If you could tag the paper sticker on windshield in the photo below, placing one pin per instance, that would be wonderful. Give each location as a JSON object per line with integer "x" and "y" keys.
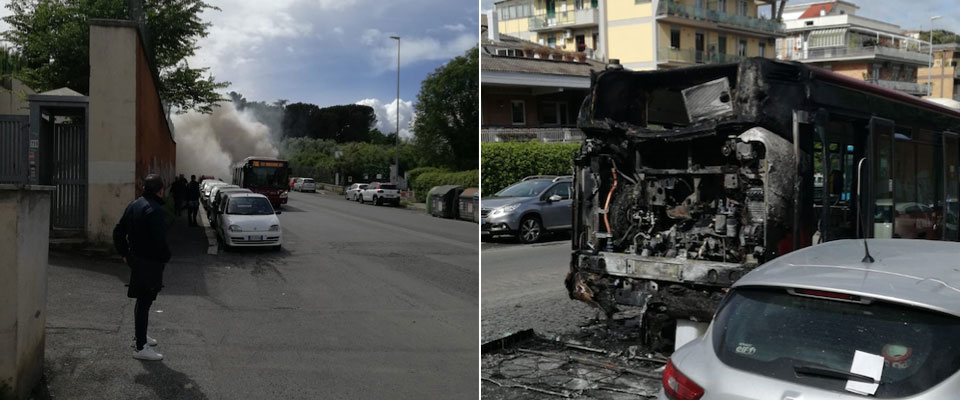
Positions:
{"x": 896, "y": 356}
{"x": 746, "y": 349}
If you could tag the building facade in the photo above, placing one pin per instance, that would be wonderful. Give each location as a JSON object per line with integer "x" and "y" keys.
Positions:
{"x": 944, "y": 77}
{"x": 830, "y": 35}
{"x": 646, "y": 34}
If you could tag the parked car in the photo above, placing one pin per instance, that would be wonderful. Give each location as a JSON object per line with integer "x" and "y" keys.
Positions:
{"x": 528, "y": 209}
{"x": 353, "y": 192}
{"x": 217, "y": 201}
{"x": 207, "y": 188}
{"x": 379, "y": 193}
{"x": 248, "y": 219}
{"x": 791, "y": 327}
{"x": 305, "y": 185}
{"x": 215, "y": 190}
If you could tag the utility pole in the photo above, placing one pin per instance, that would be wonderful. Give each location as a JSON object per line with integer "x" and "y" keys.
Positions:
{"x": 396, "y": 159}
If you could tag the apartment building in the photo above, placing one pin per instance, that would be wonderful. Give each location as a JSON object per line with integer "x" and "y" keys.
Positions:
{"x": 647, "y": 34}
{"x": 944, "y": 77}
{"x": 831, "y": 35}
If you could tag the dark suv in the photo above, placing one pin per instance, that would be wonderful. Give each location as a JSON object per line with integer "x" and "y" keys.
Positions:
{"x": 528, "y": 208}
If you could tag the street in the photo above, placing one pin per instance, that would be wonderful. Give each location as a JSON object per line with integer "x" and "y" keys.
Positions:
{"x": 362, "y": 302}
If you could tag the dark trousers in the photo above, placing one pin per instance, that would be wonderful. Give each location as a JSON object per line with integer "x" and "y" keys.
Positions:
{"x": 141, "y": 314}
{"x": 177, "y": 205}
{"x": 192, "y": 215}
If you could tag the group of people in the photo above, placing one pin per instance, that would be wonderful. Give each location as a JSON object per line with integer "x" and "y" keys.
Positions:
{"x": 186, "y": 195}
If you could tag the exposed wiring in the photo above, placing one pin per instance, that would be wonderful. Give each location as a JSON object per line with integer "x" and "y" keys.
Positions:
{"x": 606, "y": 207}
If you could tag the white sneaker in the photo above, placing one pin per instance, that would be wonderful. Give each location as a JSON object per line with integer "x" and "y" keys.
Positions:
{"x": 151, "y": 341}
{"x": 148, "y": 354}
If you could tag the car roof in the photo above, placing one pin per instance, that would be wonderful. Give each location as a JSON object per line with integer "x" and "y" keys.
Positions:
{"x": 245, "y": 194}
{"x": 565, "y": 178}
{"x": 921, "y": 273}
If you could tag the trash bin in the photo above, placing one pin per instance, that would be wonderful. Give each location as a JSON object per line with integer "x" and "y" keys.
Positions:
{"x": 468, "y": 204}
{"x": 444, "y": 201}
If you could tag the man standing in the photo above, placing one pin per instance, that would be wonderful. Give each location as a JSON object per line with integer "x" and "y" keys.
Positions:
{"x": 193, "y": 200}
{"x": 141, "y": 239}
{"x": 177, "y": 189}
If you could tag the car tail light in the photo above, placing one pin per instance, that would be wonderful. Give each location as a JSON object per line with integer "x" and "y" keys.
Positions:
{"x": 677, "y": 386}
{"x": 823, "y": 294}
{"x": 380, "y": 191}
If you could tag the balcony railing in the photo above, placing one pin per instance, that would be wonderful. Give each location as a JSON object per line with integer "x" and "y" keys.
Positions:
{"x": 672, "y": 8}
{"x": 828, "y": 53}
{"x": 691, "y": 56}
{"x": 906, "y": 87}
{"x": 564, "y": 19}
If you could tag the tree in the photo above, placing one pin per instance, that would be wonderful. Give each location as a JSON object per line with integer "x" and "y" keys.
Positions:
{"x": 940, "y": 36}
{"x": 53, "y": 38}
{"x": 447, "y": 115}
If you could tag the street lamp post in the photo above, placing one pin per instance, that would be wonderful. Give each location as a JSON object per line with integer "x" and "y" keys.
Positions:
{"x": 930, "y": 63}
{"x": 396, "y": 159}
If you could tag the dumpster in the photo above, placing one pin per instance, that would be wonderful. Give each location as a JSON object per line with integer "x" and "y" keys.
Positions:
{"x": 428, "y": 201}
{"x": 468, "y": 204}
{"x": 444, "y": 201}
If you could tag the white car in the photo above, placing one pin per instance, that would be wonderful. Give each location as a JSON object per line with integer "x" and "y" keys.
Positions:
{"x": 305, "y": 185}
{"x": 248, "y": 219}
{"x": 206, "y": 187}
{"x": 214, "y": 190}
{"x": 379, "y": 193}
{"x": 353, "y": 192}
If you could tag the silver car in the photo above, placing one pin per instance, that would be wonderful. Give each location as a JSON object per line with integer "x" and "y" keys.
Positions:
{"x": 528, "y": 208}
{"x": 353, "y": 192}
{"x": 790, "y": 329}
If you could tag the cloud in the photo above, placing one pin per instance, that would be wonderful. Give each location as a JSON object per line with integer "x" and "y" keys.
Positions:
{"x": 387, "y": 114}
{"x": 338, "y": 30}
{"x": 383, "y": 55}
{"x": 456, "y": 28}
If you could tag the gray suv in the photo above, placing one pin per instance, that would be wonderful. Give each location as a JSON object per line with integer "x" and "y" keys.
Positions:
{"x": 528, "y": 208}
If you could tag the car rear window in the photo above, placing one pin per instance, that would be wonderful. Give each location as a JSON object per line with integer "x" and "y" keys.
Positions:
{"x": 308, "y": 180}
{"x": 769, "y": 332}
{"x": 385, "y": 186}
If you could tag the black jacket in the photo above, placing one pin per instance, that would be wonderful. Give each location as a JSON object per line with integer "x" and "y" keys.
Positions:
{"x": 141, "y": 237}
{"x": 193, "y": 191}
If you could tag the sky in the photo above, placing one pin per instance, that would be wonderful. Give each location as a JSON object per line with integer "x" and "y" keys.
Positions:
{"x": 916, "y": 15}
{"x": 330, "y": 52}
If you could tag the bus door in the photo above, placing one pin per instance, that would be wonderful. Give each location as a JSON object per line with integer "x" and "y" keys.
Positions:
{"x": 875, "y": 182}
{"x": 839, "y": 144}
{"x": 951, "y": 185}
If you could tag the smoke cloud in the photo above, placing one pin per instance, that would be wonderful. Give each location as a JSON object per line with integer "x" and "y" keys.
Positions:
{"x": 210, "y": 143}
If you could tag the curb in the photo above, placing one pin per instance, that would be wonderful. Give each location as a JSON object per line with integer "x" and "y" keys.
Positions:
{"x": 208, "y": 230}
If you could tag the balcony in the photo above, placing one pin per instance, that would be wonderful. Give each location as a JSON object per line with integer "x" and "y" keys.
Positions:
{"x": 912, "y": 88}
{"x": 564, "y": 19}
{"x": 670, "y": 55}
{"x": 674, "y": 9}
{"x": 839, "y": 53}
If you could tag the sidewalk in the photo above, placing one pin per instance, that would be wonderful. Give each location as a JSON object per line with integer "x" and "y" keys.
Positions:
{"x": 90, "y": 326}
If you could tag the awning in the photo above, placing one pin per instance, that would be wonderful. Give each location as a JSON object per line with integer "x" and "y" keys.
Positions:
{"x": 834, "y": 37}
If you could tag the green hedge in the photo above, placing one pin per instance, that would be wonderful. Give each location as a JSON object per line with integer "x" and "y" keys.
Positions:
{"x": 414, "y": 173}
{"x": 505, "y": 163}
{"x": 426, "y": 181}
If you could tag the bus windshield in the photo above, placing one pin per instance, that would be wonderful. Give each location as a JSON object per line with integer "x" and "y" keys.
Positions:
{"x": 268, "y": 177}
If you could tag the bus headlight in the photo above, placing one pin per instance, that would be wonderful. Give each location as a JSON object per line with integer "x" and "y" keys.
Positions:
{"x": 284, "y": 194}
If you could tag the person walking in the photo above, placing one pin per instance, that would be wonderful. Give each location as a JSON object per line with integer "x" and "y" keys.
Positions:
{"x": 192, "y": 196}
{"x": 178, "y": 189}
{"x": 141, "y": 239}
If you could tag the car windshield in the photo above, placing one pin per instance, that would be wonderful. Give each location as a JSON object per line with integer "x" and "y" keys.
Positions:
{"x": 390, "y": 187}
{"x": 267, "y": 177}
{"x": 524, "y": 189}
{"x": 770, "y": 332}
{"x": 249, "y": 206}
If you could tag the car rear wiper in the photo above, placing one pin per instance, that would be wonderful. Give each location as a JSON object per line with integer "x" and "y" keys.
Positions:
{"x": 820, "y": 370}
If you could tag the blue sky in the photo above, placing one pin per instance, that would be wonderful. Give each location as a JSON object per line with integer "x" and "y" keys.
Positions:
{"x": 330, "y": 52}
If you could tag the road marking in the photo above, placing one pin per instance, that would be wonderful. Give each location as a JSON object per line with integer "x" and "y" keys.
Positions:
{"x": 211, "y": 235}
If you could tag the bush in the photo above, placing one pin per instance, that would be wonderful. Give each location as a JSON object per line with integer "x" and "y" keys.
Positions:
{"x": 414, "y": 173}
{"x": 505, "y": 163}
{"x": 426, "y": 181}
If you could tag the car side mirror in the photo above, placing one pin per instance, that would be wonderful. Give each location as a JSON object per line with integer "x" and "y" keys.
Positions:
{"x": 554, "y": 198}
{"x": 278, "y": 212}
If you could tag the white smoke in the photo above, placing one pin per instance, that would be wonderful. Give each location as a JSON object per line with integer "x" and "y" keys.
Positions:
{"x": 208, "y": 144}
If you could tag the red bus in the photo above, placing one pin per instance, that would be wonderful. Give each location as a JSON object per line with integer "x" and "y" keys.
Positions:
{"x": 264, "y": 175}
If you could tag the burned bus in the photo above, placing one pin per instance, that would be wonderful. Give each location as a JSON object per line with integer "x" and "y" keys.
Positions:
{"x": 689, "y": 178}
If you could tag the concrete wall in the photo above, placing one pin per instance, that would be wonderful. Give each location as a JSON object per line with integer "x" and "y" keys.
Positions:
{"x": 13, "y": 97}
{"x": 24, "y": 243}
{"x": 112, "y": 127}
{"x": 156, "y": 150}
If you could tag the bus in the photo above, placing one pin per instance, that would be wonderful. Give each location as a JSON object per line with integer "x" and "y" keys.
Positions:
{"x": 689, "y": 178}
{"x": 264, "y": 175}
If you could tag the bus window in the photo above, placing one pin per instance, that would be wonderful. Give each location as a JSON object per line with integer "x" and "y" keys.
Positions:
{"x": 834, "y": 180}
{"x": 950, "y": 170}
{"x": 918, "y": 188}
{"x": 882, "y": 147}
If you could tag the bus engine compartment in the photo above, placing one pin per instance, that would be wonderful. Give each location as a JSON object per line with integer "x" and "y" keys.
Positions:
{"x": 681, "y": 187}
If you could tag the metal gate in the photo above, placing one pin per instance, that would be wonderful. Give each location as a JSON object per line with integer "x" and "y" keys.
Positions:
{"x": 13, "y": 148}
{"x": 69, "y": 175}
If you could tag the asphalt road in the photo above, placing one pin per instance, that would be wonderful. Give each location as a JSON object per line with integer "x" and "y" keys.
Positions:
{"x": 362, "y": 302}
{"x": 522, "y": 288}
